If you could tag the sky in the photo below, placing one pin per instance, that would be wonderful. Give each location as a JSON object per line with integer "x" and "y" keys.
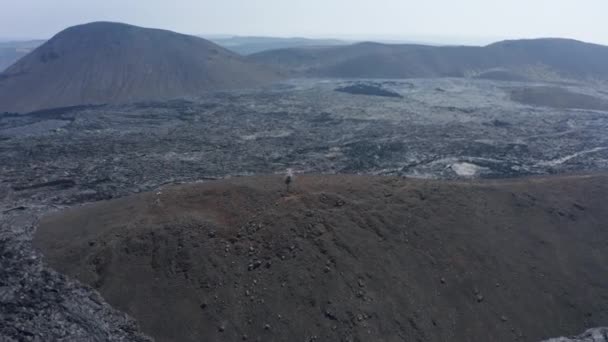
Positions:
{"x": 439, "y": 21}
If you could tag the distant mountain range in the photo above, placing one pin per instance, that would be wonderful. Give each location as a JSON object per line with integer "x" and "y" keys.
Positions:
{"x": 250, "y": 45}
{"x": 538, "y": 59}
{"x": 103, "y": 62}
{"x": 12, "y": 51}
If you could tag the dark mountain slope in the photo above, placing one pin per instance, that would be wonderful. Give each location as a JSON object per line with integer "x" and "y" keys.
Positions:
{"x": 114, "y": 63}
{"x": 347, "y": 258}
{"x": 531, "y": 58}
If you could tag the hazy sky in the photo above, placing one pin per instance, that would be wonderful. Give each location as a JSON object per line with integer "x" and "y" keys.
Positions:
{"x": 465, "y": 20}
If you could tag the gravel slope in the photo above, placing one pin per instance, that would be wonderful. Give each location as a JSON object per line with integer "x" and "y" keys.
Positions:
{"x": 346, "y": 258}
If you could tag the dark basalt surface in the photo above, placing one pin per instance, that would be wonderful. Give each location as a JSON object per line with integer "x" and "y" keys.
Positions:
{"x": 368, "y": 89}
{"x": 442, "y": 128}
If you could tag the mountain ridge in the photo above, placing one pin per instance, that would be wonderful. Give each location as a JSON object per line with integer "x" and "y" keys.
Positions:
{"x": 529, "y": 58}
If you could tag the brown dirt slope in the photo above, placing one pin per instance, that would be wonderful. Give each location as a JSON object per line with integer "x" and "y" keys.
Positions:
{"x": 347, "y": 258}
{"x": 104, "y": 62}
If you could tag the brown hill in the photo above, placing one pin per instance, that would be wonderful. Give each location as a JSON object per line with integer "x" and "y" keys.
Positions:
{"x": 347, "y": 258}
{"x": 518, "y": 59}
{"x": 104, "y": 62}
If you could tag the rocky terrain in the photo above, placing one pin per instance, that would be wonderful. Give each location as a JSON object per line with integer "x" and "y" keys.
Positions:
{"x": 100, "y": 63}
{"x": 39, "y": 304}
{"x": 346, "y": 258}
{"x": 447, "y": 128}
{"x": 591, "y": 335}
{"x": 440, "y": 129}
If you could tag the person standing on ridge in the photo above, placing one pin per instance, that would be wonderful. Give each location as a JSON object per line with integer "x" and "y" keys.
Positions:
{"x": 288, "y": 178}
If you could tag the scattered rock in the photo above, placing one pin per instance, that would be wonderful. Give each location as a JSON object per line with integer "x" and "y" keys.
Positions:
{"x": 591, "y": 335}
{"x": 330, "y": 315}
{"x": 39, "y": 304}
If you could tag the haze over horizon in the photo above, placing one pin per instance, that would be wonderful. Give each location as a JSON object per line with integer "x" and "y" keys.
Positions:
{"x": 437, "y": 21}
